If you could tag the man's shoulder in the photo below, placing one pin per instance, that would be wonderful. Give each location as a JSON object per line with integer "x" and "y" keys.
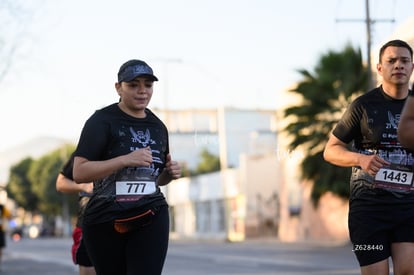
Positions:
{"x": 368, "y": 96}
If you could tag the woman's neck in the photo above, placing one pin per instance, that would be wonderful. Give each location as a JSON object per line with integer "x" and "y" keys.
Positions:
{"x": 138, "y": 113}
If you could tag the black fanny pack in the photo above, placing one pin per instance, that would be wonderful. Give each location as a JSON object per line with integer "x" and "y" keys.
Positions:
{"x": 135, "y": 222}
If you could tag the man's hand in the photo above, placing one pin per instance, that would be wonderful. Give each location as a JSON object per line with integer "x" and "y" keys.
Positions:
{"x": 372, "y": 163}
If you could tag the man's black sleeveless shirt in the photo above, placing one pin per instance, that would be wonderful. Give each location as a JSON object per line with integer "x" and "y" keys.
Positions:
{"x": 371, "y": 123}
{"x": 109, "y": 133}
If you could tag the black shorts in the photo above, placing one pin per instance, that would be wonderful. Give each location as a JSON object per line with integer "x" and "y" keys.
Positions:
{"x": 79, "y": 254}
{"x": 374, "y": 228}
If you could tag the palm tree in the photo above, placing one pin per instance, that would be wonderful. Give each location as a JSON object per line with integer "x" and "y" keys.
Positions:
{"x": 338, "y": 78}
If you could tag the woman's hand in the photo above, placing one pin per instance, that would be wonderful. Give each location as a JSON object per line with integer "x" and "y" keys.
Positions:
{"x": 173, "y": 168}
{"x": 139, "y": 158}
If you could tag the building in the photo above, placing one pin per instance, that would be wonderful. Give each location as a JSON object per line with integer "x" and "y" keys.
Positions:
{"x": 243, "y": 199}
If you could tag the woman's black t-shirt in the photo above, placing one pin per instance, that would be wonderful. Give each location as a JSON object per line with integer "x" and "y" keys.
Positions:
{"x": 110, "y": 133}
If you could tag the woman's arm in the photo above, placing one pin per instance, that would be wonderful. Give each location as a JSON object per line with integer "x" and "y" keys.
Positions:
{"x": 85, "y": 170}
{"x": 171, "y": 171}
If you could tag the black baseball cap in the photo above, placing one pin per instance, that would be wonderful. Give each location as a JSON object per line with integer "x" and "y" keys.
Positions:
{"x": 134, "y": 68}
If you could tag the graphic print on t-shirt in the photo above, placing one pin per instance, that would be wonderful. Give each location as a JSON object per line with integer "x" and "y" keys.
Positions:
{"x": 388, "y": 146}
{"x": 143, "y": 138}
{"x": 393, "y": 120}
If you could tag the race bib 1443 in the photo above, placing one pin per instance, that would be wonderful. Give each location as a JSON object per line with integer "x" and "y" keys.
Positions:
{"x": 398, "y": 177}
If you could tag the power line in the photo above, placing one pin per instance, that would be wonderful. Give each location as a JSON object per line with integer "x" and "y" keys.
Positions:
{"x": 368, "y": 23}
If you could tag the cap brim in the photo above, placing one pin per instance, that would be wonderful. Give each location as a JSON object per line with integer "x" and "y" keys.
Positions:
{"x": 149, "y": 76}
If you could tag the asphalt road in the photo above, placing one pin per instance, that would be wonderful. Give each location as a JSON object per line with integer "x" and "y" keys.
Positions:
{"x": 259, "y": 257}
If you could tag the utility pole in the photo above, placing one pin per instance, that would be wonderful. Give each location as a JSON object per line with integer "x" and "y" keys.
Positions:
{"x": 368, "y": 22}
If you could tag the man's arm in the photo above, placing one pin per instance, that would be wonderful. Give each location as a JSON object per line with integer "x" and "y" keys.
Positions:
{"x": 66, "y": 185}
{"x": 337, "y": 153}
{"x": 406, "y": 125}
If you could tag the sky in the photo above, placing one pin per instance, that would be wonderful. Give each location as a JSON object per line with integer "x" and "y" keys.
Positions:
{"x": 206, "y": 53}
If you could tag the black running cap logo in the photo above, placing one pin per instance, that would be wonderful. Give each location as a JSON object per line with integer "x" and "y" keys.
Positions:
{"x": 132, "y": 72}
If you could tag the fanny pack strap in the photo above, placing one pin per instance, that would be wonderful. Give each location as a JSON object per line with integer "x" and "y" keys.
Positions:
{"x": 127, "y": 224}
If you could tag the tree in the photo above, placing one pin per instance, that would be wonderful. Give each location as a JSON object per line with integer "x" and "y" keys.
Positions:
{"x": 19, "y": 187}
{"x": 338, "y": 78}
{"x": 32, "y": 184}
{"x": 43, "y": 174}
{"x": 209, "y": 163}
{"x": 16, "y": 18}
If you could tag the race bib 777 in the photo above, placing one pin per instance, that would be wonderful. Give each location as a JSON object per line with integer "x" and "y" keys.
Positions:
{"x": 133, "y": 190}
